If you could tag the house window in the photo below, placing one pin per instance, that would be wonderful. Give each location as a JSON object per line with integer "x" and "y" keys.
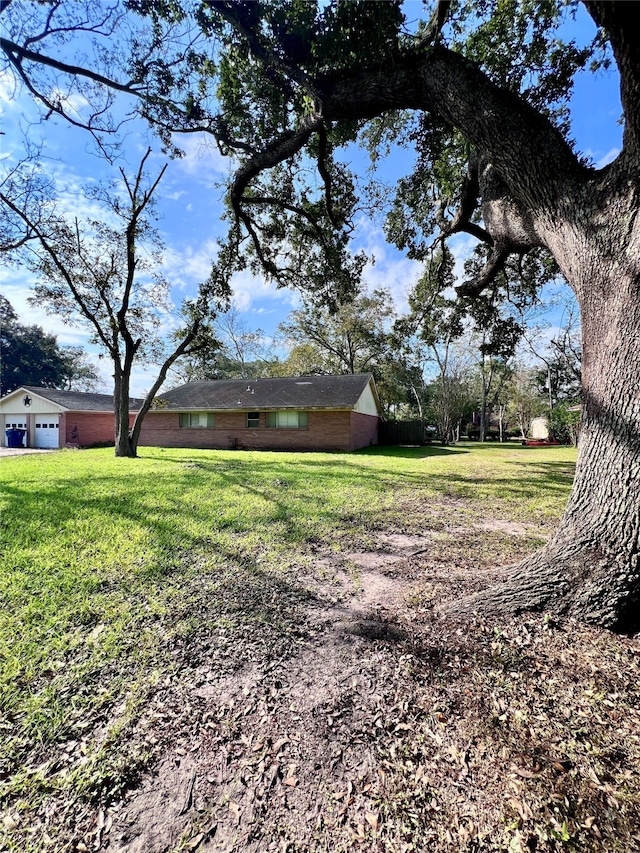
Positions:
{"x": 288, "y": 420}
{"x": 253, "y": 420}
{"x": 197, "y": 420}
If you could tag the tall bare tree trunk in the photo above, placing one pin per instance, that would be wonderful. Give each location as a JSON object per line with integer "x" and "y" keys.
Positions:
{"x": 123, "y": 445}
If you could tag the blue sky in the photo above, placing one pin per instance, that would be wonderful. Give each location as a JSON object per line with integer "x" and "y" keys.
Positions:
{"x": 190, "y": 206}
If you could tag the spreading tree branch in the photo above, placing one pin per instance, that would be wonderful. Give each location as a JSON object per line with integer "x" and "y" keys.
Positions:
{"x": 494, "y": 264}
{"x": 325, "y": 174}
{"x": 469, "y": 201}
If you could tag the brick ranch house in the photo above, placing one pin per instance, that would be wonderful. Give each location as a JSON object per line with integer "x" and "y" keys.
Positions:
{"x": 52, "y": 418}
{"x": 292, "y": 413}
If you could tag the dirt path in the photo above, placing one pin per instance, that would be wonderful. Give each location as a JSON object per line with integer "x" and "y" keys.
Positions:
{"x": 273, "y": 746}
{"x": 384, "y": 727}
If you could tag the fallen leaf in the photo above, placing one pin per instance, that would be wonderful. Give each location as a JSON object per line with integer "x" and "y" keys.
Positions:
{"x": 526, "y": 774}
{"x": 291, "y": 781}
{"x": 360, "y": 832}
{"x": 279, "y": 744}
{"x": 372, "y": 820}
{"x": 93, "y": 636}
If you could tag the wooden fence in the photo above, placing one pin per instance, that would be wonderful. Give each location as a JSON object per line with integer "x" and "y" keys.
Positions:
{"x": 401, "y": 432}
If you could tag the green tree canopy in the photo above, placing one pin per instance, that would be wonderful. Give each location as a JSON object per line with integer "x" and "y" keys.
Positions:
{"x": 352, "y": 339}
{"x": 31, "y": 356}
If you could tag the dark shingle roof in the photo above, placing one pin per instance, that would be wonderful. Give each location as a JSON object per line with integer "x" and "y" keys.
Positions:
{"x": 80, "y": 401}
{"x": 291, "y": 392}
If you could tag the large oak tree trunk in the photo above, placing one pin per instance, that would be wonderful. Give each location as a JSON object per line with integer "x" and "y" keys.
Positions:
{"x": 591, "y": 566}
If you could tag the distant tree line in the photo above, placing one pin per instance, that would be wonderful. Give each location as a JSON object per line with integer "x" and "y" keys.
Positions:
{"x": 485, "y": 381}
{"x": 31, "y": 356}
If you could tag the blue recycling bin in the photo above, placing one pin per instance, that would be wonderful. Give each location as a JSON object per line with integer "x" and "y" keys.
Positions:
{"x": 14, "y": 437}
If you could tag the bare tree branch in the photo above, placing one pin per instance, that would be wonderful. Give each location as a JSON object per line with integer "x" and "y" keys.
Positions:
{"x": 495, "y": 263}
{"x": 324, "y": 173}
{"x": 469, "y": 201}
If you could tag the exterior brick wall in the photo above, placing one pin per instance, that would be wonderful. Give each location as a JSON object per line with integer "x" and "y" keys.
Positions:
{"x": 364, "y": 430}
{"x": 90, "y": 428}
{"x": 326, "y": 431}
{"x": 62, "y": 429}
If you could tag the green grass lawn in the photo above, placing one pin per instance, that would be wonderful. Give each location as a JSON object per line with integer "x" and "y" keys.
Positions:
{"x": 109, "y": 566}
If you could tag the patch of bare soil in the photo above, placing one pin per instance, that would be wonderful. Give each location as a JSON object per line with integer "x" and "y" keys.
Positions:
{"x": 388, "y": 729}
{"x": 368, "y": 722}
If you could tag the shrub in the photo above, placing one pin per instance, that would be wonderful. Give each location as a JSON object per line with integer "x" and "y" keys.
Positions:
{"x": 564, "y": 424}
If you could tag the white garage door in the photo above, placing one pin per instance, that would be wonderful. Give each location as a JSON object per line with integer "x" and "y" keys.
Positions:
{"x": 15, "y": 422}
{"x": 47, "y": 431}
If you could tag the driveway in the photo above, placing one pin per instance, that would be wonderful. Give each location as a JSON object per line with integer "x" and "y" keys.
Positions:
{"x": 22, "y": 451}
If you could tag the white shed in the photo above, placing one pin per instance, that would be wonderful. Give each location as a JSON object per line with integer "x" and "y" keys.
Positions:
{"x": 540, "y": 428}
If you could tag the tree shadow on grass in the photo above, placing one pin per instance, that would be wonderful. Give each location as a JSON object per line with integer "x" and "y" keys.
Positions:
{"x": 410, "y": 452}
{"x": 294, "y": 494}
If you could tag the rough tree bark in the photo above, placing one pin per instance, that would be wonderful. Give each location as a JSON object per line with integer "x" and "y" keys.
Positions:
{"x": 591, "y": 566}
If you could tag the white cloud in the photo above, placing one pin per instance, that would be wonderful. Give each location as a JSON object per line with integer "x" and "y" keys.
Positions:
{"x": 389, "y": 270}
{"x": 201, "y": 159}
{"x": 609, "y": 157}
{"x": 462, "y": 245}
{"x": 8, "y": 98}
{"x": 249, "y": 289}
{"x": 69, "y": 101}
{"x": 142, "y": 378}
{"x": 105, "y": 372}
{"x": 188, "y": 267}
{"x": 399, "y": 274}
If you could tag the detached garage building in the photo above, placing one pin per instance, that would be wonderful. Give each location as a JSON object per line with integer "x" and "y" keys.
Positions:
{"x": 53, "y": 419}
